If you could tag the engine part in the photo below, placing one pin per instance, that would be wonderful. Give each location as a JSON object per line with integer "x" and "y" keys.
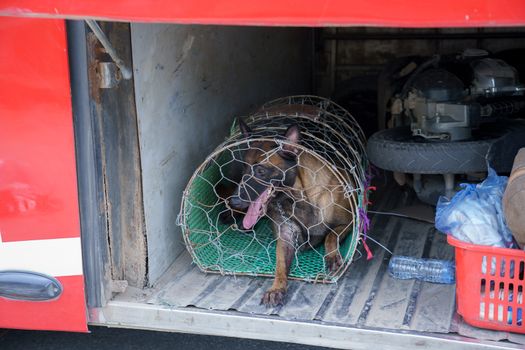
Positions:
{"x": 443, "y": 121}
{"x": 458, "y": 109}
{"x": 494, "y": 77}
{"x": 502, "y": 108}
{"x": 439, "y": 85}
{"x": 432, "y": 114}
{"x": 442, "y": 106}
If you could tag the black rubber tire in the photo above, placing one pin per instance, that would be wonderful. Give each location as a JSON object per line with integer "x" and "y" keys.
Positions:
{"x": 397, "y": 150}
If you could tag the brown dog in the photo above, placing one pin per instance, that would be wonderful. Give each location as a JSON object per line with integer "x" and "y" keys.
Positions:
{"x": 301, "y": 196}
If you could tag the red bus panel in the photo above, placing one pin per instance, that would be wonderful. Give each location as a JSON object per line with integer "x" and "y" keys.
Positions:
{"x": 390, "y": 13}
{"x": 39, "y": 214}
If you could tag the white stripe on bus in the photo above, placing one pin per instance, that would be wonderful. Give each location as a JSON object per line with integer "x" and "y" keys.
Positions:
{"x": 54, "y": 257}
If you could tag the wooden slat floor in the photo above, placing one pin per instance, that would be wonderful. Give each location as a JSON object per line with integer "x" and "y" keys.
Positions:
{"x": 366, "y": 296}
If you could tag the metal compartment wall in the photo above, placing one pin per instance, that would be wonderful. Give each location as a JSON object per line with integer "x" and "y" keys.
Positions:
{"x": 190, "y": 82}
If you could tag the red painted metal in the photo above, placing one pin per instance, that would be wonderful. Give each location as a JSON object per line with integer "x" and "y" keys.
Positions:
{"x": 38, "y": 196}
{"x": 68, "y": 313}
{"x": 38, "y": 187}
{"x": 395, "y": 13}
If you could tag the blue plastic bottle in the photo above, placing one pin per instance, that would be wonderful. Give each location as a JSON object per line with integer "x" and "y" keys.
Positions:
{"x": 428, "y": 270}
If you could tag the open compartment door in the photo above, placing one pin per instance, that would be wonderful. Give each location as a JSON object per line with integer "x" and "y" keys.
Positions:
{"x": 41, "y": 278}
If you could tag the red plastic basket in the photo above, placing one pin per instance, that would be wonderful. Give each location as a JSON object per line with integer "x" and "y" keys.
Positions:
{"x": 490, "y": 285}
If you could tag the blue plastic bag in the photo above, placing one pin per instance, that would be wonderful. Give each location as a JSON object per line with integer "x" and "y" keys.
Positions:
{"x": 475, "y": 213}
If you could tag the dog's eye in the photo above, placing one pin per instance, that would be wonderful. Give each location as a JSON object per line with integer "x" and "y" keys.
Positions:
{"x": 260, "y": 171}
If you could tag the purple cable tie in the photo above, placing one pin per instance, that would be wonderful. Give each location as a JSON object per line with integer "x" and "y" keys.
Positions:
{"x": 365, "y": 221}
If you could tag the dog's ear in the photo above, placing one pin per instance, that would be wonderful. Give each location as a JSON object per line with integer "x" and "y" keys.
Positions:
{"x": 245, "y": 129}
{"x": 293, "y": 135}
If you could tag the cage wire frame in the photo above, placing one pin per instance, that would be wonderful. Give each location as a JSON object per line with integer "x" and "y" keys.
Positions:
{"x": 329, "y": 134}
{"x": 332, "y": 113}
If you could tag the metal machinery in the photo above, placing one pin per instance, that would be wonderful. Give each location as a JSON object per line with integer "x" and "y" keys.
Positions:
{"x": 451, "y": 115}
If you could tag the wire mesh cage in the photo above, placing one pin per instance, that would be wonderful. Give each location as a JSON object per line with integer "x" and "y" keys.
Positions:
{"x": 293, "y": 172}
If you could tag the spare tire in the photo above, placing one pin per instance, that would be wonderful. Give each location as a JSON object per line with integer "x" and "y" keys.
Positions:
{"x": 397, "y": 150}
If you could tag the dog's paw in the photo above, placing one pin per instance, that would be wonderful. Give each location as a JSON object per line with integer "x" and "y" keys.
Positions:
{"x": 273, "y": 297}
{"x": 333, "y": 262}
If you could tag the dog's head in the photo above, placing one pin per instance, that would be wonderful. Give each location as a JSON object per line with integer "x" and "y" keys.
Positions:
{"x": 268, "y": 166}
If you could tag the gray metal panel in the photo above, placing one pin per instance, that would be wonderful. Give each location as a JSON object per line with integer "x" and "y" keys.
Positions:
{"x": 232, "y": 324}
{"x": 190, "y": 81}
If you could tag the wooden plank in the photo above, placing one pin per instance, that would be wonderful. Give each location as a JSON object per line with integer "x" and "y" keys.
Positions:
{"x": 252, "y": 303}
{"x": 357, "y": 284}
{"x": 306, "y": 301}
{"x": 344, "y": 304}
{"x": 436, "y": 302}
{"x": 389, "y": 303}
{"x": 183, "y": 263}
{"x": 116, "y": 115}
{"x": 185, "y": 288}
{"x": 226, "y": 293}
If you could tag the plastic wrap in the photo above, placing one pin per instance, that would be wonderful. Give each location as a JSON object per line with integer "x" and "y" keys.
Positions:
{"x": 475, "y": 213}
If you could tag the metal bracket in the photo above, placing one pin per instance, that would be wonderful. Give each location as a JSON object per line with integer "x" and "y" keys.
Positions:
{"x": 108, "y": 74}
{"x": 125, "y": 71}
